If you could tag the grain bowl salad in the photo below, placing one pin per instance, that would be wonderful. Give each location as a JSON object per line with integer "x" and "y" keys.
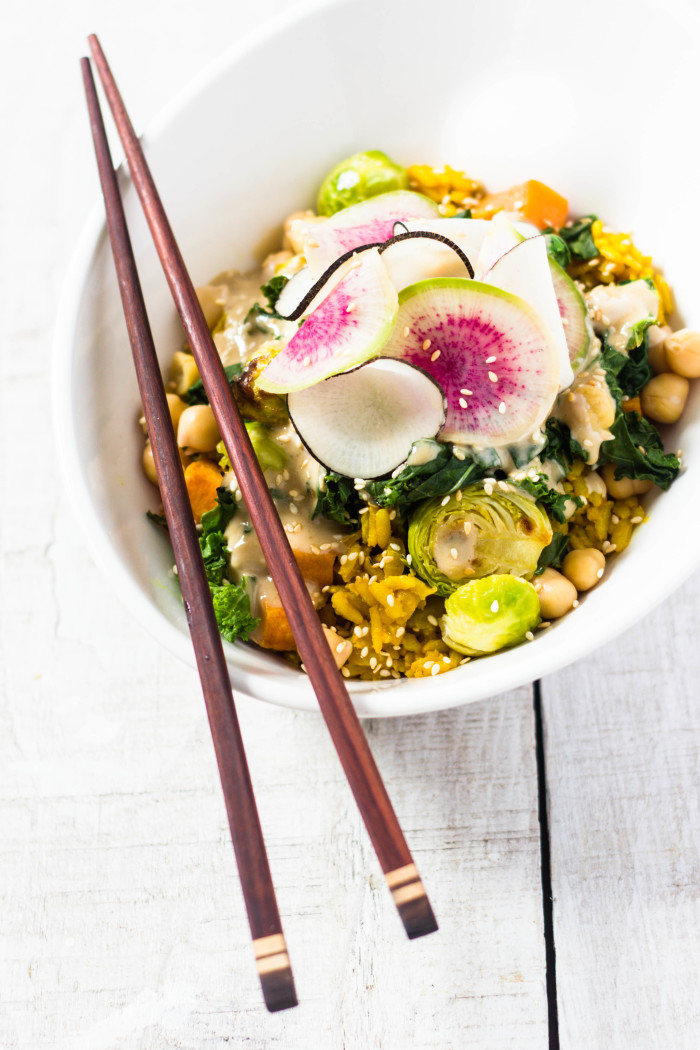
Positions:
{"x": 458, "y": 400}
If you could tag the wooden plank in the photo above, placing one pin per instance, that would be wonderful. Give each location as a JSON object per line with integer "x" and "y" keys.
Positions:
{"x": 622, "y": 745}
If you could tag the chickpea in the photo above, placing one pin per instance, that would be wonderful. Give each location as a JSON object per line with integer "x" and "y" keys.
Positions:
{"x": 557, "y": 594}
{"x": 664, "y": 397}
{"x": 584, "y": 567}
{"x": 293, "y": 241}
{"x": 683, "y": 353}
{"x": 657, "y": 348}
{"x": 183, "y": 372}
{"x": 177, "y": 406}
{"x": 623, "y": 488}
{"x": 197, "y": 429}
{"x": 149, "y": 466}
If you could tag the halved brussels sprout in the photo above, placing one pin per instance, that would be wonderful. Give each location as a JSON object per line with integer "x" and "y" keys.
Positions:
{"x": 486, "y": 615}
{"x": 489, "y": 530}
{"x": 358, "y": 177}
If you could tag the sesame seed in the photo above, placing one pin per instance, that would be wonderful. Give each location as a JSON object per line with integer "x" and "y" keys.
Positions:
{"x": 339, "y": 647}
{"x": 390, "y": 599}
{"x": 467, "y": 392}
{"x": 352, "y": 556}
{"x": 575, "y": 603}
{"x": 365, "y": 632}
{"x": 364, "y": 652}
{"x": 293, "y": 508}
{"x": 454, "y": 553}
{"x": 458, "y": 495}
{"x": 406, "y": 331}
{"x": 357, "y": 631}
{"x": 465, "y": 660}
{"x": 636, "y": 521}
{"x": 503, "y": 486}
{"x": 304, "y": 464}
{"x": 349, "y": 308}
{"x": 432, "y": 620}
{"x": 394, "y": 547}
{"x": 325, "y": 547}
{"x": 389, "y": 661}
{"x": 426, "y": 344}
{"x": 614, "y": 519}
{"x": 435, "y": 669}
{"x": 490, "y": 360}
{"x": 494, "y": 605}
{"x": 600, "y": 573}
{"x": 493, "y": 377}
{"x": 529, "y": 635}
{"x": 344, "y": 671}
{"x": 467, "y": 527}
{"x": 462, "y": 403}
{"x": 343, "y": 559}
{"x": 384, "y": 673}
{"x": 587, "y": 443}
{"x": 458, "y": 454}
{"x": 409, "y": 559}
{"x": 488, "y": 489}
{"x": 502, "y": 407}
{"x": 434, "y": 357}
{"x": 373, "y": 663}
{"x": 446, "y": 660}
{"x": 445, "y": 501}
{"x": 289, "y": 527}
{"x": 400, "y": 632}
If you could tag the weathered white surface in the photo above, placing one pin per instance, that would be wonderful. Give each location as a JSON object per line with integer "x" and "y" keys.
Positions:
{"x": 121, "y": 917}
{"x": 623, "y": 774}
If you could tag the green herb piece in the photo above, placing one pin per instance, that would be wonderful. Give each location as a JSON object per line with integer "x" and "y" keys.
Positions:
{"x": 442, "y": 474}
{"x": 637, "y": 451}
{"x": 196, "y": 395}
{"x": 579, "y": 238}
{"x": 553, "y": 554}
{"x": 338, "y": 500}
{"x": 232, "y": 611}
{"x": 557, "y": 248}
{"x": 561, "y": 446}
{"x": 553, "y": 501}
{"x": 157, "y": 519}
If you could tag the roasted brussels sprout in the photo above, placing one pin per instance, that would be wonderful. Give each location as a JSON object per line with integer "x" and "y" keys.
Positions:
{"x": 358, "y": 177}
{"x": 487, "y": 530}
{"x": 255, "y": 404}
{"x": 489, "y": 614}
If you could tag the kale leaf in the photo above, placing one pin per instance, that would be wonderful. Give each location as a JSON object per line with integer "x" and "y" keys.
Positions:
{"x": 196, "y": 395}
{"x": 553, "y": 501}
{"x": 212, "y": 542}
{"x": 579, "y": 238}
{"x": 157, "y": 519}
{"x": 338, "y": 500}
{"x": 553, "y": 554}
{"x": 637, "y": 451}
{"x": 443, "y": 474}
{"x": 626, "y": 373}
{"x": 557, "y": 248}
{"x": 232, "y": 611}
{"x": 561, "y": 446}
{"x": 261, "y": 315}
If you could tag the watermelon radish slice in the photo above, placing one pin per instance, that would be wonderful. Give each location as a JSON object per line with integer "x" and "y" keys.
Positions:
{"x": 369, "y": 222}
{"x": 578, "y": 329}
{"x": 525, "y": 271}
{"x": 351, "y": 325}
{"x": 363, "y": 423}
{"x": 494, "y": 358}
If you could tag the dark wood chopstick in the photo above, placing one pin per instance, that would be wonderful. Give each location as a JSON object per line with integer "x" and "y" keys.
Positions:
{"x": 346, "y": 732}
{"x": 269, "y": 944}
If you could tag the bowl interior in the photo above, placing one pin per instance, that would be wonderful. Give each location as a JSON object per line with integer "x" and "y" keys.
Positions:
{"x": 249, "y": 143}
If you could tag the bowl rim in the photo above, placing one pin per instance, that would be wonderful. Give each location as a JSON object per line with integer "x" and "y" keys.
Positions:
{"x": 517, "y": 667}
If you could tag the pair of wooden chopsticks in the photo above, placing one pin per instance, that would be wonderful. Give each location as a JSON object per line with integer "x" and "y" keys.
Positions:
{"x": 360, "y": 769}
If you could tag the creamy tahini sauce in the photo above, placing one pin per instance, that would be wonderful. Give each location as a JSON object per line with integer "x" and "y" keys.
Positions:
{"x": 237, "y": 342}
{"x": 616, "y": 308}
{"x": 454, "y": 549}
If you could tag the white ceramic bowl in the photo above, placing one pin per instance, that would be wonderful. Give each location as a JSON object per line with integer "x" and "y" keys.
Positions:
{"x": 592, "y": 99}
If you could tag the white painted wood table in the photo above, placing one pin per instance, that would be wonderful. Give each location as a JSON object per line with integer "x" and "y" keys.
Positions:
{"x": 122, "y": 925}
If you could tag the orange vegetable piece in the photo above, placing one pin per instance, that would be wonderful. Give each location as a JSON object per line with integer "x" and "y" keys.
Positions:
{"x": 273, "y": 631}
{"x": 316, "y": 568}
{"x": 632, "y": 405}
{"x": 532, "y": 201}
{"x": 202, "y": 479}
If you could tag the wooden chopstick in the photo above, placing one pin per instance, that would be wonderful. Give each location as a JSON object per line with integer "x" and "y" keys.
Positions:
{"x": 335, "y": 704}
{"x": 269, "y": 945}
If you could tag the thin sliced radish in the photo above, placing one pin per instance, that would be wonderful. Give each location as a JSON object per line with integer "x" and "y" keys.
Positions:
{"x": 574, "y": 316}
{"x": 350, "y": 326}
{"x": 363, "y": 423}
{"x": 370, "y": 222}
{"x": 490, "y": 352}
{"x": 525, "y": 271}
